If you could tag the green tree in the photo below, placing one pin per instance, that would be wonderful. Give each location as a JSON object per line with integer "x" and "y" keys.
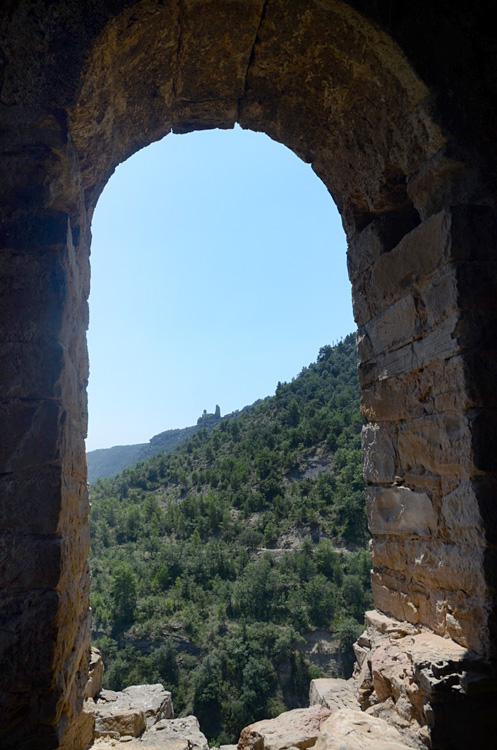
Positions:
{"x": 123, "y": 591}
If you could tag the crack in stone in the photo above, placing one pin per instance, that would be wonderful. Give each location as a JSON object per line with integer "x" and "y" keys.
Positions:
{"x": 178, "y": 48}
{"x": 251, "y": 58}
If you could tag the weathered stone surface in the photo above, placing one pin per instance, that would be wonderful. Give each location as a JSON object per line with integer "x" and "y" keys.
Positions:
{"x": 435, "y": 345}
{"x": 380, "y": 459}
{"x": 347, "y": 729}
{"x": 396, "y": 113}
{"x": 81, "y": 733}
{"x": 153, "y": 700}
{"x": 118, "y": 722}
{"x": 167, "y": 734}
{"x": 399, "y": 511}
{"x": 131, "y": 711}
{"x": 449, "y": 566}
{"x": 440, "y": 445}
{"x": 333, "y": 693}
{"x": 415, "y": 680}
{"x": 177, "y": 733}
{"x": 95, "y": 674}
{"x": 298, "y": 728}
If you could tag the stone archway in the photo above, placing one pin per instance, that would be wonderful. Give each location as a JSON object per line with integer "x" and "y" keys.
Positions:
{"x": 410, "y": 165}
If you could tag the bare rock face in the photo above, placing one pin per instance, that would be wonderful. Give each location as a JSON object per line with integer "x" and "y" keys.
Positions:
{"x": 349, "y": 729}
{"x": 334, "y": 693}
{"x": 421, "y": 683}
{"x": 130, "y": 712}
{"x": 95, "y": 674}
{"x": 166, "y": 734}
{"x": 153, "y": 700}
{"x": 178, "y": 734}
{"x": 396, "y": 114}
{"x": 298, "y": 728}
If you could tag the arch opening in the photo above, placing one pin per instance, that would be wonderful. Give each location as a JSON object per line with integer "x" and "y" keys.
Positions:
{"x": 197, "y": 260}
{"x": 416, "y": 199}
{"x": 278, "y": 306}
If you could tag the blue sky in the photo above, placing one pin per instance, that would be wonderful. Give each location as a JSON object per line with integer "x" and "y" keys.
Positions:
{"x": 218, "y": 268}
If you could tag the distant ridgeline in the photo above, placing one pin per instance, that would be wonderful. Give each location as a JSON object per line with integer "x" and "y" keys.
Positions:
{"x": 105, "y": 462}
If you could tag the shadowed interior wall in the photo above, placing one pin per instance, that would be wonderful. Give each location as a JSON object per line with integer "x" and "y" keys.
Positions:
{"x": 395, "y": 109}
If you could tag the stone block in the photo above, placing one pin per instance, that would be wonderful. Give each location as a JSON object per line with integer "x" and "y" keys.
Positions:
{"x": 379, "y": 456}
{"x": 361, "y": 654}
{"x": 333, "y": 693}
{"x": 131, "y": 711}
{"x": 392, "y": 600}
{"x": 439, "y": 387}
{"x": 399, "y": 511}
{"x": 438, "y": 444}
{"x": 393, "y": 327}
{"x": 32, "y": 437}
{"x": 440, "y": 296}
{"x": 81, "y": 732}
{"x": 153, "y": 700}
{"x": 363, "y": 252}
{"x": 436, "y": 345}
{"x": 379, "y": 623}
{"x": 32, "y": 298}
{"x": 432, "y": 563}
{"x": 177, "y": 734}
{"x": 416, "y": 257}
{"x": 26, "y": 658}
{"x": 381, "y": 278}
{"x": 389, "y": 668}
{"x": 95, "y": 674}
{"x": 116, "y": 723}
{"x": 460, "y": 517}
{"x": 202, "y": 32}
{"x": 31, "y": 370}
{"x": 355, "y": 730}
{"x": 29, "y": 561}
{"x": 293, "y": 729}
{"x": 31, "y": 500}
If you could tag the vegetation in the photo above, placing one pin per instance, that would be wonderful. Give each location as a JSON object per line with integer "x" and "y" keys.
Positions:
{"x": 210, "y": 562}
{"x": 105, "y": 462}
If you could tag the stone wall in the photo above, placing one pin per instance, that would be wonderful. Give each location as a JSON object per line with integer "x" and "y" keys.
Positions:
{"x": 394, "y": 106}
{"x": 425, "y": 495}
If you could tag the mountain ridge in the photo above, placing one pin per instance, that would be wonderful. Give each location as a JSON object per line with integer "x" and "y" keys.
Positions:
{"x": 234, "y": 568}
{"x": 103, "y": 463}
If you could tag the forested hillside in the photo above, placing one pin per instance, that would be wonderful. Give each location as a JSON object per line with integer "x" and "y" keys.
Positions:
{"x": 213, "y": 563}
{"x": 105, "y": 462}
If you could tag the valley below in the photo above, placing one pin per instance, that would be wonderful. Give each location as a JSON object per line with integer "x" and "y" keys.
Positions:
{"x": 233, "y": 569}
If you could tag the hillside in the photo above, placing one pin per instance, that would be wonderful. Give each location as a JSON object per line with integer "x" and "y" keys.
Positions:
{"x": 234, "y": 568}
{"x": 106, "y": 462}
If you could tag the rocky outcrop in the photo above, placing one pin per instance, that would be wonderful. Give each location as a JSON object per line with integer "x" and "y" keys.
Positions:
{"x": 396, "y": 113}
{"x": 130, "y": 712}
{"x": 349, "y": 729}
{"x": 177, "y": 733}
{"x": 421, "y": 683}
{"x": 167, "y": 734}
{"x": 141, "y": 716}
{"x": 334, "y": 693}
{"x": 95, "y": 674}
{"x": 298, "y": 728}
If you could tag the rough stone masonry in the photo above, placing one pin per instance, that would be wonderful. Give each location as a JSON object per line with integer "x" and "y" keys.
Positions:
{"x": 394, "y": 105}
